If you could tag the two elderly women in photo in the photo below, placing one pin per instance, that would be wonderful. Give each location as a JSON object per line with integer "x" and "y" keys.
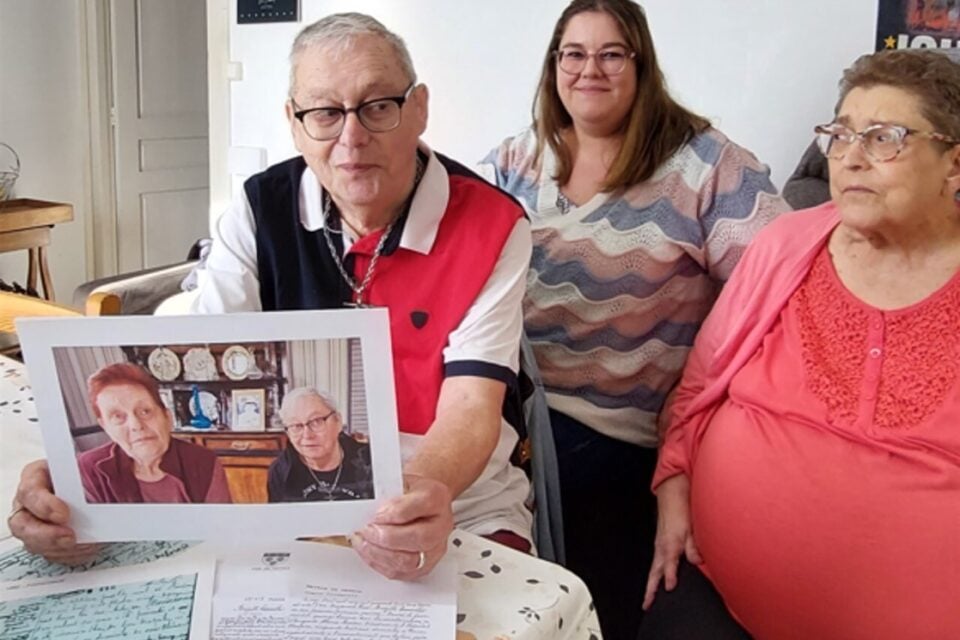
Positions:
{"x": 143, "y": 463}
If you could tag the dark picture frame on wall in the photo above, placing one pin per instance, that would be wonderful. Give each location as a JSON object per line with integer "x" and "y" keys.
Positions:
{"x": 256, "y": 11}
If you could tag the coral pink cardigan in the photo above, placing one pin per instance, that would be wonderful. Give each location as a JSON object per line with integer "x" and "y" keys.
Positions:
{"x": 771, "y": 269}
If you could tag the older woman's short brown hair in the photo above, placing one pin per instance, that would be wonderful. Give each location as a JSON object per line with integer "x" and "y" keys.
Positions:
{"x": 931, "y": 76}
{"x": 656, "y": 126}
{"x": 118, "y": 374}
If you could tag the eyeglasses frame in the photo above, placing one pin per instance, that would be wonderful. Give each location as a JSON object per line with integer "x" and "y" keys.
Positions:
{"x": 299, "y": 428}
{"x": 400, "y": 100}
{"x": 860, "y": 136}
{"x": 630, "y": 55}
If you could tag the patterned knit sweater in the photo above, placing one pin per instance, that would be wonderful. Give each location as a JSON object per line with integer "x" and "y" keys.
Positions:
{"x": 619, "y": 286}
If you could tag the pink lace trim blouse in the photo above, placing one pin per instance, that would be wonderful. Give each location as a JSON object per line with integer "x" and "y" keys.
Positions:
{"x": 825, "y": 490}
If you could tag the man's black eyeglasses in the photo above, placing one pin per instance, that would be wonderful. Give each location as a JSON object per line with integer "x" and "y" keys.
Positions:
{"x": 378, "y": 116}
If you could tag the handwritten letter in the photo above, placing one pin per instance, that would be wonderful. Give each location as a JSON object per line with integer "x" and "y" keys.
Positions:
{"x": 140, "y": 611}
{"x": 327, "y": 593}
{"x": 18, "y": 563}
{"x": 348, "y": 619}
{"x": 168, "y": 599}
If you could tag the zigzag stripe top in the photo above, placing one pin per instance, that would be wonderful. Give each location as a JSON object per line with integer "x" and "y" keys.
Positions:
{"x": 619, "y": 286}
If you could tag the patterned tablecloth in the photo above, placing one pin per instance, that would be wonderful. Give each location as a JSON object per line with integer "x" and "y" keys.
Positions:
{"x": 502, "y": 593}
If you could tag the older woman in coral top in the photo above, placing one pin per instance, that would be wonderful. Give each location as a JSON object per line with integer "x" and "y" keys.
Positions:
{"x": 812, "y": 465}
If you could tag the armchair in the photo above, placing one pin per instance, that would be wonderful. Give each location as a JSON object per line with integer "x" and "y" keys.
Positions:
{"x": 139, "y": 292}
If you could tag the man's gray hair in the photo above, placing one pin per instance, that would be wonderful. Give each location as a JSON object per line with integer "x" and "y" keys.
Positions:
{"x": 305, "y": 392}
{"x": 340, "y": 29}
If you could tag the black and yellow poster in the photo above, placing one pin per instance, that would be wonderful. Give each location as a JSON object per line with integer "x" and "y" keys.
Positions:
{"x": 928, "y": 24}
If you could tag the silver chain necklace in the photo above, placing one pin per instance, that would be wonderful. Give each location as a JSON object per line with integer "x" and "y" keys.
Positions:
{"x": 368, "y": 276}
{"x": 336, "y": 480}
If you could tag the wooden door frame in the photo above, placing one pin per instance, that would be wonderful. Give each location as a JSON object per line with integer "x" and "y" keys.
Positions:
{"x": 218, "y": 104}
{"x": 101, "y": 224}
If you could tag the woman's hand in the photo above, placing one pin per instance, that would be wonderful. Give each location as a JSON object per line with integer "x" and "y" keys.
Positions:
{"x": 674, "y": 536}
{"x": 40, "y": 518}
{"x": 408, "y": 535}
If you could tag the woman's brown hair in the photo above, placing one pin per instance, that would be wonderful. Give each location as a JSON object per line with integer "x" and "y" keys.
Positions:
{"x": 932, "y": 76}
{"x": 655, "y": 127}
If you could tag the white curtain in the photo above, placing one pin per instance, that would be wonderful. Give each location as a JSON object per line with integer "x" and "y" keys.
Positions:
{"x": 323, "y": 364}
{"x": 74, "y": 366}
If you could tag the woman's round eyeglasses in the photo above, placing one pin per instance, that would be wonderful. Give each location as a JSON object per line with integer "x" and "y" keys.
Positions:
{"x": 610, "y": 60}
{"x": 881, "y": 142}
{"x": 377, "y": 116}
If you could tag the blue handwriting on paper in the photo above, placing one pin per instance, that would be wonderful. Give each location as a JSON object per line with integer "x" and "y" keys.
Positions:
{"x": 19, "y": 563}
{"x": 152, "y": 610}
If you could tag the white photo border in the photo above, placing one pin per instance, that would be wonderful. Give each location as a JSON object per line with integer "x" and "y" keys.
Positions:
{"x": 254, "y": 522}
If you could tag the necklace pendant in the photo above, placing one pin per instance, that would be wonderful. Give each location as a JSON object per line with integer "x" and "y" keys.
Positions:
{"x": 359, "y": 304}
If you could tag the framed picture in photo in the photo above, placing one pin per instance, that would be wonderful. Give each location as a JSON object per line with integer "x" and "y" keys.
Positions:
{"x": 248, "y": 410}
{"x": 166, "y": 395}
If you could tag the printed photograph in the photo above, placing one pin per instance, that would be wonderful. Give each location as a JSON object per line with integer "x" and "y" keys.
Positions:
{"x": 269, "y": 426}
{"x": 218, "y": 423}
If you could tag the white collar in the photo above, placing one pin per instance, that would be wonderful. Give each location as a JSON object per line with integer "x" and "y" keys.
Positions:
{"x": 426, "y": 210}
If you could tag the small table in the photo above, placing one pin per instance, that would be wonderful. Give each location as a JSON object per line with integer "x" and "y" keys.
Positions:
{"x": 26, "y": 224}
{"x": 15, "y": 305}
{"x": 501, "y": 593}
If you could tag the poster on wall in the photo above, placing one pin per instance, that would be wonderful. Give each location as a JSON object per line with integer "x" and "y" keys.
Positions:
{"x": 918, "y": 24}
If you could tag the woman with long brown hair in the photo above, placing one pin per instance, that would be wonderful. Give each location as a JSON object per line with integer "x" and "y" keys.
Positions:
{"x": 640, "y": 210}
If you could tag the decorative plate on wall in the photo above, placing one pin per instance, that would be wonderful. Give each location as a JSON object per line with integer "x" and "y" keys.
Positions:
{"x": 164, "y": 364}
{"x": 198, "y": 365}
{"x": 236, "y": 362}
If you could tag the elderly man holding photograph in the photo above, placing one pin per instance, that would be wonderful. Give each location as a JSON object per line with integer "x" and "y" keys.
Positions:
{"x": 320, "y": 463}
{"x": 369, "y": 215}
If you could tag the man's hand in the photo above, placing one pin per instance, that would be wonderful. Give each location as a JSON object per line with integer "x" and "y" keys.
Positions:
{"x": 674, "y": 536}
{"x": 418, "y": 522}
{"x": 40, "y": 518}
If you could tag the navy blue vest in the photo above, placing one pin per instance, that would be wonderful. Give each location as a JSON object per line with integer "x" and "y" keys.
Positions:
{"x": 295, "y": 268}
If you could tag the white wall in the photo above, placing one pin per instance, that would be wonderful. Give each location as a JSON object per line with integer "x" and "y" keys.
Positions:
{"x": 43, "y": 116}
{"x": 764, "y": 71}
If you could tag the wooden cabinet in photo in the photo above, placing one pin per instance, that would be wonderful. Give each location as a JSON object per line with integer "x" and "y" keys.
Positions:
{"x": 245, "y": 458}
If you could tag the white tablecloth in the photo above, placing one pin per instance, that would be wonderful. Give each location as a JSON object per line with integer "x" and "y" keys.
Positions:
{"x": 502, "y": 593}
{"x": 19, "y": 435}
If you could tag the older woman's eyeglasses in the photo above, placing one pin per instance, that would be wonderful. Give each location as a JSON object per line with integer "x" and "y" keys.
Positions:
{"x": 881, "y": 142}
{"x": 315, "y": 425}
{"x": 610, "y": 60}
{"x": 377, "y": 116}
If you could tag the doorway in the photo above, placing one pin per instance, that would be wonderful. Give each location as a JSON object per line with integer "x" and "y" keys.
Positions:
{"x": 149, "y": 131}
